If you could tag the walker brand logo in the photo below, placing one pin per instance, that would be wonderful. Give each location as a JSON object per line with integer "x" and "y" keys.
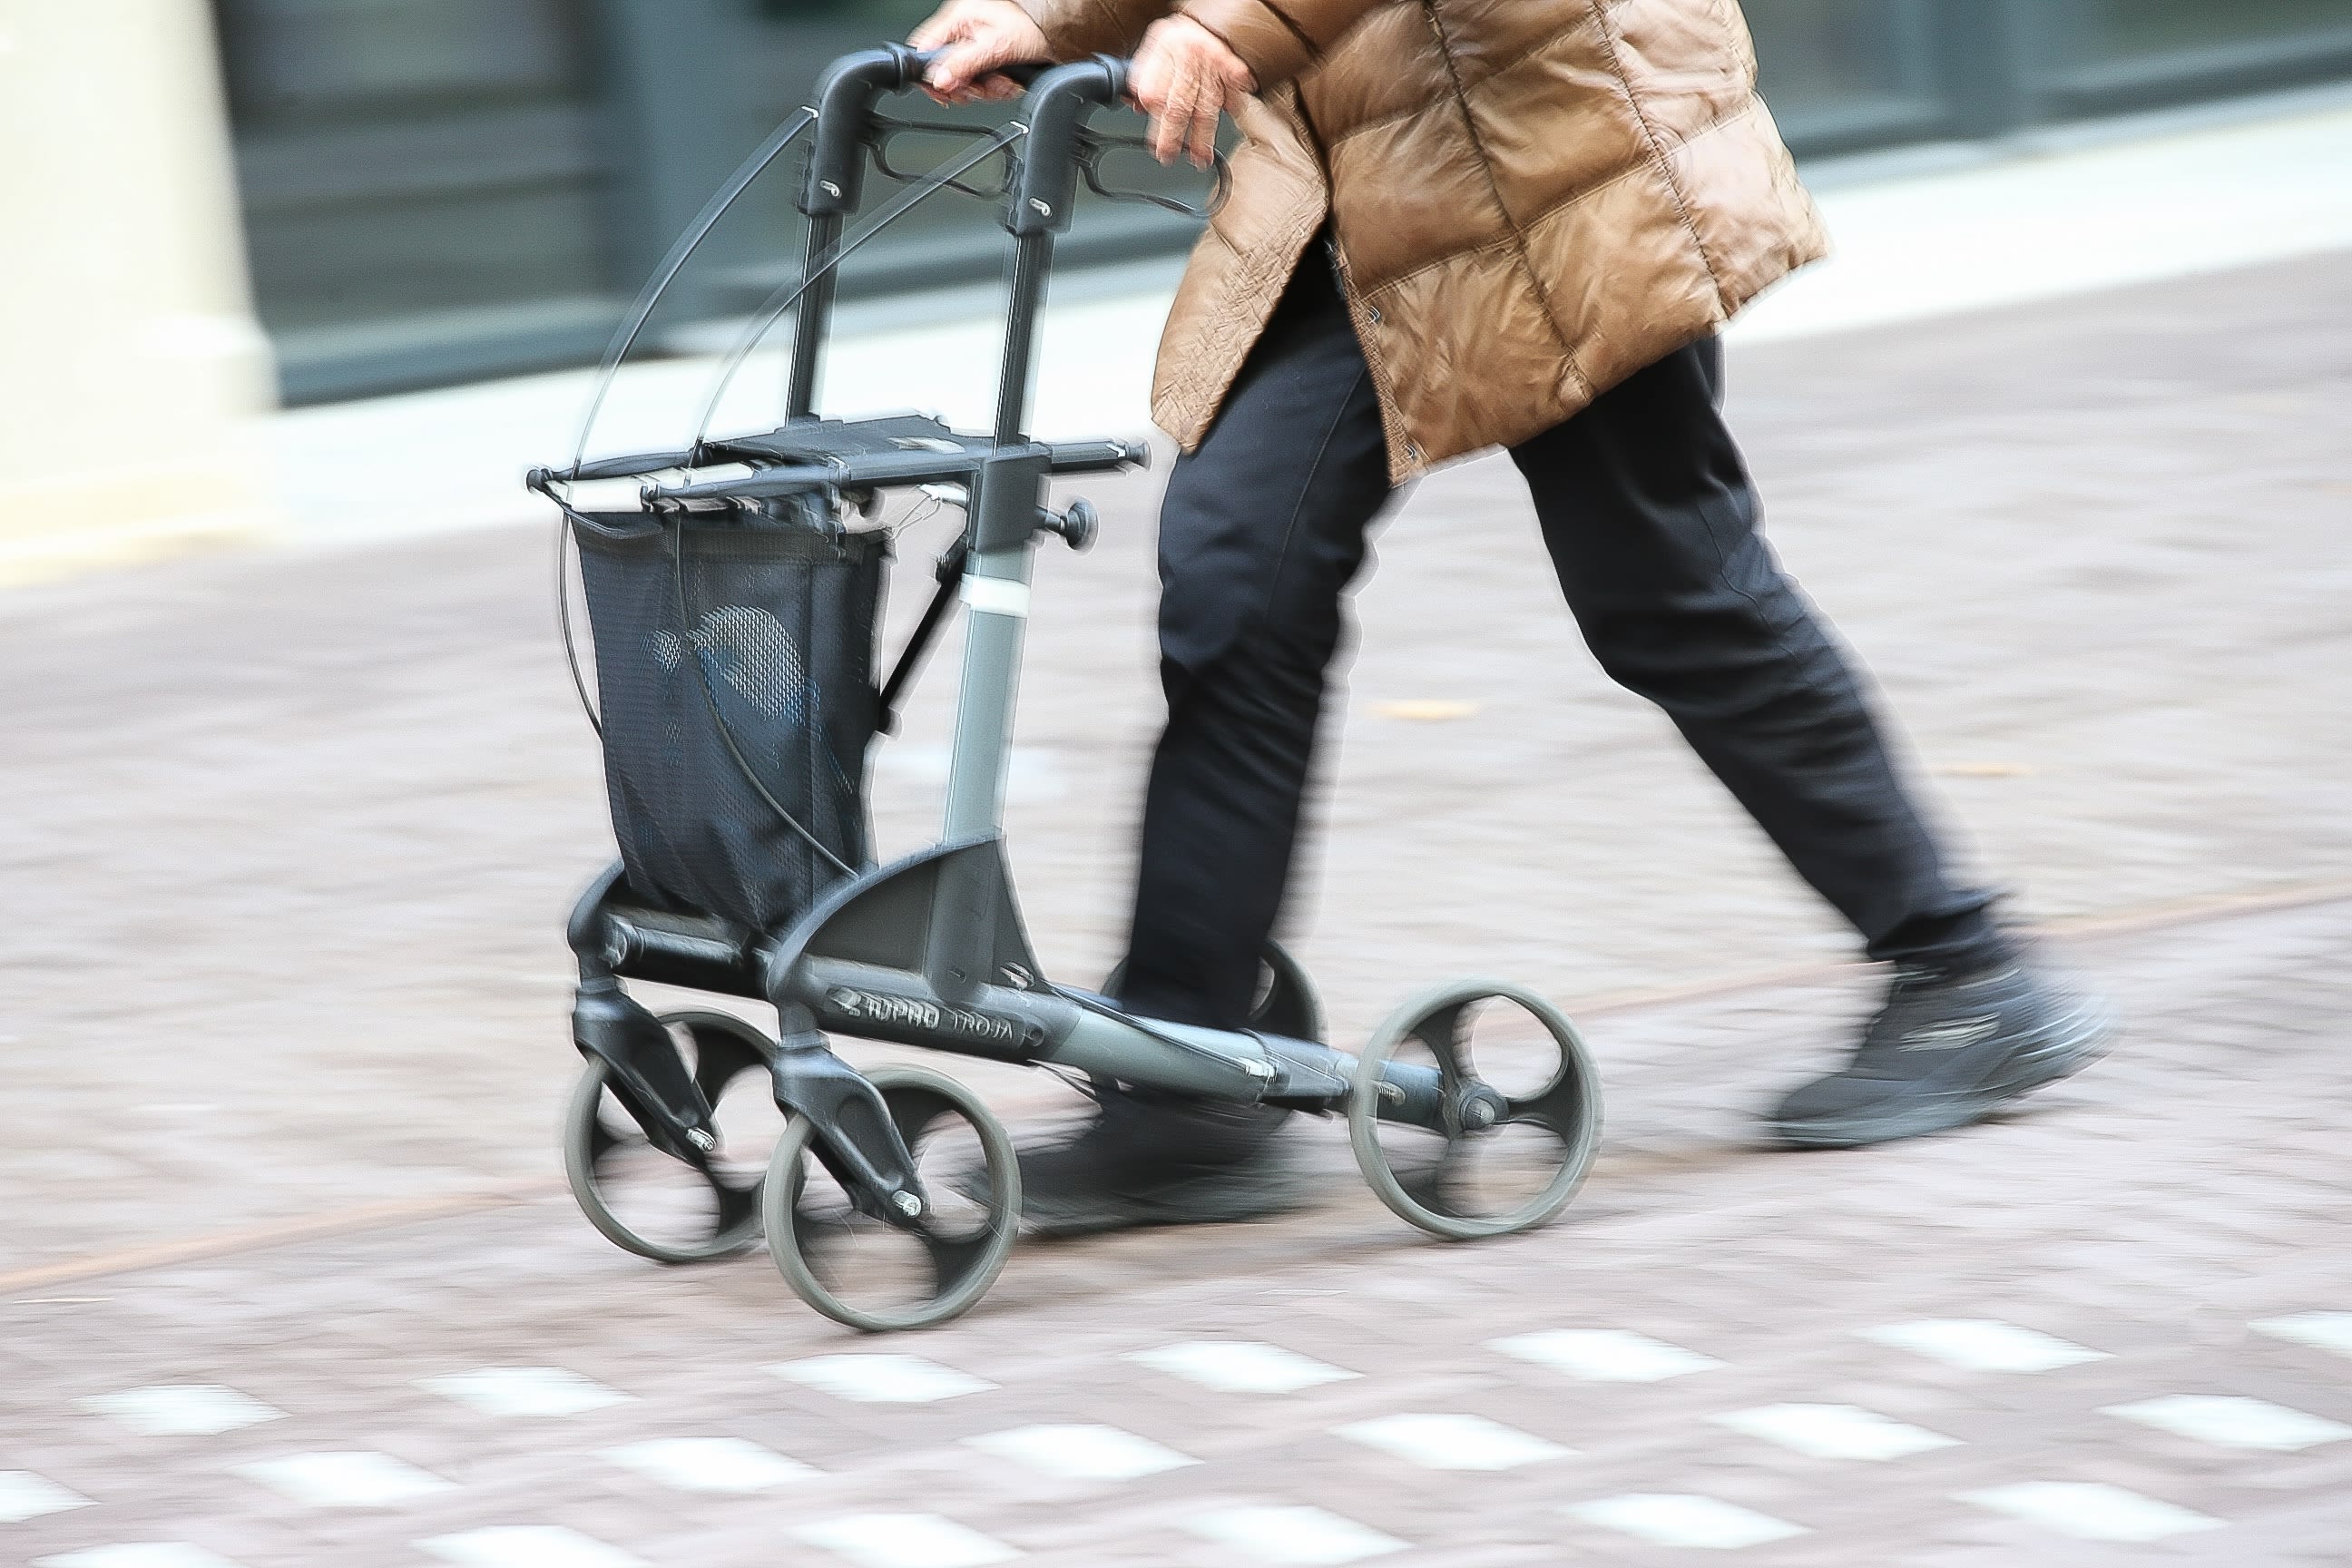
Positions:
{"x": 889, "y": 1012}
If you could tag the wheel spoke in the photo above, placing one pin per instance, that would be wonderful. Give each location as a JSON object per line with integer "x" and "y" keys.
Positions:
{"x": 604, "y": 1143}
{"x": 952, "y": 1261}
{"x": 826, "y": 1239}
{"x": 1558, "y": 1108}
{"x": 912, "y": 1112}
{"x": 736, "y": 1205}
{"x": 1446, "y": 1032}
{"x": 1433, "y": 1186}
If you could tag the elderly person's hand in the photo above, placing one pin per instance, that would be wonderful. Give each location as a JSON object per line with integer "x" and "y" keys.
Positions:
{"x": 980, "y": 38}
{"x": 1185, "y": 77}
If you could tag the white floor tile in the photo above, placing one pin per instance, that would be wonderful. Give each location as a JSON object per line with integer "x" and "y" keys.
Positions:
{"x": 2321, "y": 1331}
{"x": 1604, "y": 1355}
{"x": 527, "y": 1546}
{"x": 23, "y": 1495}
{"x": 881, "y": 1378}
{"x": 344, "y": 1481}
{"x": 2234, "y": 1423}
{"x": 1240, "y": 1367}
{"x": 1271, "y": 1533}
{"x": 904, "y": 1540}
{"x": 1452, "y": 1442}
{"x": 1834, "y": 1431}
{"x": 181, "y": 1410}
{"x": 1080, "y": 1453}
{"x": 140, "y": 1554}
{"x": 1683, "y": 1518}
{"x": 709, "y": 1464}
{"x": 1982, "y": 1344}
{"x": 2092, "y": 1511}
{"x": 525, "y": 1391}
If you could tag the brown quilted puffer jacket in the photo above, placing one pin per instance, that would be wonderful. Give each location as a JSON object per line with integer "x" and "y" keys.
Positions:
{"x": 1532, "y": 199}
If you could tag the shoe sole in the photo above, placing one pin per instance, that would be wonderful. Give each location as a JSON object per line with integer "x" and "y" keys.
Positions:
{"x": 2068, "y": 1046}
{"x": 1216, "y": 1200}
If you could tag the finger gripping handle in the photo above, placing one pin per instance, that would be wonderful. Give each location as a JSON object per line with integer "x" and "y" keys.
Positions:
{"x": 1057, "y": 110}
{"x": 1021, "y": 73}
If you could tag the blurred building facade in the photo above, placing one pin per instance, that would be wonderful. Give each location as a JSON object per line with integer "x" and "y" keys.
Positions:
{"x": 132, "y": 366}
{"x": 433, "y": 190}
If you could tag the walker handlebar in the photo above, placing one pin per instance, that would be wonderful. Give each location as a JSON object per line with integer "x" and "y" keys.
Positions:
{"x": 1058, "y": 103}
{"x": 845, "y": 97}
{"x": 1060, "y": 97}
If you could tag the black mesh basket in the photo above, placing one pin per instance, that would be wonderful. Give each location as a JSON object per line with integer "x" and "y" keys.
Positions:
{"x": 731, "y": 646}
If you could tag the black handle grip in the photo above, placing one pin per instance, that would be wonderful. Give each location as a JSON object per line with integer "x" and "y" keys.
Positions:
{"x": 845, "y": 97}
{"x": 1056, "y": 109}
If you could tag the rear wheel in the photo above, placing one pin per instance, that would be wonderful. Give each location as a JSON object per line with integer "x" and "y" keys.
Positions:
{"x": 1476, "y": 1111}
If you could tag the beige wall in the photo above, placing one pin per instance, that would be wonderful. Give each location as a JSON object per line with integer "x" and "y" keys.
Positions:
{"x": 130, "y": 369}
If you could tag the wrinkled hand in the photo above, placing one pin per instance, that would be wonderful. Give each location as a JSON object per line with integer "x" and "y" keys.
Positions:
{"x": 1185, "y": 77}
{"x": 980, "y": 36}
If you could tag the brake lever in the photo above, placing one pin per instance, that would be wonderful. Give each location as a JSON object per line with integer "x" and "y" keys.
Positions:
{"x": 887, "y": 129}
{"x": 1093, "y": 146}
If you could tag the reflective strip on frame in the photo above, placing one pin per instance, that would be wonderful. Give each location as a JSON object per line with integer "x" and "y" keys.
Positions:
{"x": 997, "y": 595}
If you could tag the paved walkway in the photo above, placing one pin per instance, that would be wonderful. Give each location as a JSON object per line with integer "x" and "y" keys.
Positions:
{"x": 292, "y": 838}
{"x": 2114, "y": 1327}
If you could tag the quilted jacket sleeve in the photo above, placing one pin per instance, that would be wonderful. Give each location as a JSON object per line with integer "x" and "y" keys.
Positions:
{"x": 1077, "y": 28}
{"x": 1277, "y": 38}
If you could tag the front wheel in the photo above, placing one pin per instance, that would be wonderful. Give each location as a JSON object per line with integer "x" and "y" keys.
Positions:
{"x": 651, "y": 1203}
{"x": 879, "y": 1275}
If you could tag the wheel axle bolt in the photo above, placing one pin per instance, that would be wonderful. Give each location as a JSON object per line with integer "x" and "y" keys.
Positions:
{"x": 1477, "y": 1116}
{"x": 702, "y": 1138}
{"x": 908, "y": 1204}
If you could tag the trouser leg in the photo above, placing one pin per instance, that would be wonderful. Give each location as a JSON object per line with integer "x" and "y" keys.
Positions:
{"x": 1650, "y": 520}
{"x": 1261, "y": 531}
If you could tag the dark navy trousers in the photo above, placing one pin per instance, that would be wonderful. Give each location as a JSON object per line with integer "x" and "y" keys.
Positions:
{"x": 1651, "y": 522}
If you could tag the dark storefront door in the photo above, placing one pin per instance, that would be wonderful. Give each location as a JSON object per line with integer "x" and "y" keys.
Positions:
{"x": 425, "y": 184}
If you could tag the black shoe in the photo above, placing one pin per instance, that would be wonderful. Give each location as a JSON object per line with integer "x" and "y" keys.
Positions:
{"x": 1943, "y": 1051}
{"x": 1159, "y": 1159}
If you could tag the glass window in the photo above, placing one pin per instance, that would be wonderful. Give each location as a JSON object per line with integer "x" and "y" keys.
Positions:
{"x": 2112, "y": 28}
{"x": 416, "y": 171}
{"x": 1844, "y": 71}
{"x": 2102, "y": 56}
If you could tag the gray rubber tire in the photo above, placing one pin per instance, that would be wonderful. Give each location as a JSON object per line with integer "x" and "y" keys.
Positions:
{"x": 580, "y": 1120}
{"x": 780, "y": 1209}
{"x": 1577, "y": 1074}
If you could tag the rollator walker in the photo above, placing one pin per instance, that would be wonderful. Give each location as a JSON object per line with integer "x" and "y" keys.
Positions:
{"x": 733, "y": 610}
